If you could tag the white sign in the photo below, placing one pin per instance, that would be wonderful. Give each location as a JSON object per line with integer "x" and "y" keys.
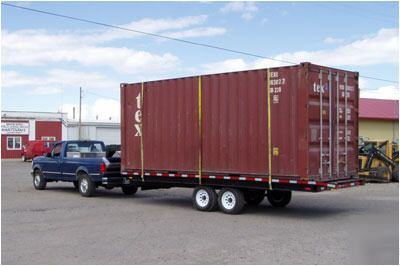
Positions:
{"x": 14, "y": 128}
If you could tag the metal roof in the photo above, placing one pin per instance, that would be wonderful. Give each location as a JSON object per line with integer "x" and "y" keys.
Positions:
{"x": 379, "y": 109}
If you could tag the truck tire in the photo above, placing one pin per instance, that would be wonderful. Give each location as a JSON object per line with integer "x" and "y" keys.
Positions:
{"x": 231, "y": 200}
{"x": 279, "y": 198}
{"x": 86, "y": 187}
{"x": 39, "y": 182}
{"x": 76, "y": 184}
{"x": 254, "y": 197}
{"x": 204, "y": 198}
{"x": 395, "y": 174}
{"x": 129, "y": 190}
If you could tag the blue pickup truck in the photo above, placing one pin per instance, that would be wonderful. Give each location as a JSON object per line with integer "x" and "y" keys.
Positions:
{"x": 83, "y": 163}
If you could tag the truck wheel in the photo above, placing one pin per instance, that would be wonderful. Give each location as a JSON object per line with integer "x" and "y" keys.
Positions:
{"x": 39, "y": 182}
{"x": 86, "y": 186}
{"x": 204, "y": 199}
{"x": 230, "y": 200}
{"x": 76, "y": 184}
{"x": 279, "y": 198}
{"x": 129, "y": 190}
{"x": 395, "y": 174}
{"x": 254, "y": 197}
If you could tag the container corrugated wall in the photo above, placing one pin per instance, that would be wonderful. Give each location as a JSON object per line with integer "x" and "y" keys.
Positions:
{"x": 218, "y": 124}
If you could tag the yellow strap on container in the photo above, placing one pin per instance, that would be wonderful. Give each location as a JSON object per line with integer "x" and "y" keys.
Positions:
{"x": 269, "y": 131}
{"x": 200, "y": 131}
{"x": 141, "y": 134}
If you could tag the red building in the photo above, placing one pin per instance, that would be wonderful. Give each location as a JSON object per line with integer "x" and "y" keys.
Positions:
{"x": 17, "y": 128}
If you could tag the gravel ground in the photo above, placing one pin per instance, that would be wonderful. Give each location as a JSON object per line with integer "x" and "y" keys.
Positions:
{"x": 58, "y": 226}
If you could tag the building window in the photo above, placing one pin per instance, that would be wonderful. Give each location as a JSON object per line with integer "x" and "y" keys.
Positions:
{"x": 48, "y": 138}
{"x": 13, "y": 143}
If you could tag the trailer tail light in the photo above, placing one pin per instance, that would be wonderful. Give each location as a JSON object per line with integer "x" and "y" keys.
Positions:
{"x": 102, "y": 168}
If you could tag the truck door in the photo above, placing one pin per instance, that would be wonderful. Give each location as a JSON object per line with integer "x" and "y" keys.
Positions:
{"x": 51, "y": 168}
{"x": 71, "y": 161}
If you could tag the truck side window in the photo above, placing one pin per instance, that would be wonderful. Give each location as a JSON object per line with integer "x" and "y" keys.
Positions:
{"x": 56, "y": 150}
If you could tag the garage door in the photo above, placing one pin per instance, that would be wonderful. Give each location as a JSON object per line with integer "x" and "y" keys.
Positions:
{"x": 109, "y": 135}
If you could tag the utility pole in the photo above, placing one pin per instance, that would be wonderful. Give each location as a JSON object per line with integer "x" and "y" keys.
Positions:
{"x": 80, "y": 111}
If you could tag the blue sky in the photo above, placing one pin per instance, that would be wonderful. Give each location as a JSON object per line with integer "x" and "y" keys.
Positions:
{"x": 45, "y": 59}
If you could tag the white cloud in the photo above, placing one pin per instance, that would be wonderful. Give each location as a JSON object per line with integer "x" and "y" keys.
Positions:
{"x": 238, "y": 64}
{"x": 95, "y": 111}
{"x": 45, "y": 91}
{"x": 58, "y": 78}
{"x": 380, "y": 48}
{"x": 147, "y": 25}
{"x": 246, "y": 9}
{"x": 225, "y": 66}
{"x": 331, "y": 40}
{"x": 197, "y": 32}
{"x": 385, "y": 92}
{"x": 39, "y": 47}
{"x": 35, "y": 48}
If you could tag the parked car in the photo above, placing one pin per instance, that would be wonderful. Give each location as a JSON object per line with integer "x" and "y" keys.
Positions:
{"x": 36, "y": 148}
{"x": 82, "y": 163}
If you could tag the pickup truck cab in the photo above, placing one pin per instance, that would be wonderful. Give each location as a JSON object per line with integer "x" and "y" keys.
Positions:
{"x": 82, "y": 163}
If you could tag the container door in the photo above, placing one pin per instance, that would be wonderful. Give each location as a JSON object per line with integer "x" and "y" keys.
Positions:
{"x": 333, "y": 128}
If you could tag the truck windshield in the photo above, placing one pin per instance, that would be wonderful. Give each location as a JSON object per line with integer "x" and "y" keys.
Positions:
{"x": 85, "y": 147}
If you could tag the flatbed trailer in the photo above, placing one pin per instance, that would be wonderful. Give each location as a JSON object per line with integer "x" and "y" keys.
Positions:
{"x": 248, "y": 134}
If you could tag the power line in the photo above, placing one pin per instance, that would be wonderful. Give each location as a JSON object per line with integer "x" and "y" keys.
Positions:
{"x": 148, "y": 33}
{"x": 168, "y": 38}
{"x": 386, "y": 80}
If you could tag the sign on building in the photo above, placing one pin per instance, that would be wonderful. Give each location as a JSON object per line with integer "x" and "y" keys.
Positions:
{"x": 14, "y": 128}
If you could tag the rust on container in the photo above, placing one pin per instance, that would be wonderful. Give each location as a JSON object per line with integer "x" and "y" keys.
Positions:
{"x": 218, "y": 124}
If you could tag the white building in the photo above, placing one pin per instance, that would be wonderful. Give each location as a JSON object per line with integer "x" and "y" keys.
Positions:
{"x": 109, "y": 133}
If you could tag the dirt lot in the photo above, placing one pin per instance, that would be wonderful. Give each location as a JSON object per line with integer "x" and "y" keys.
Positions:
{"x": 58, "y": 226}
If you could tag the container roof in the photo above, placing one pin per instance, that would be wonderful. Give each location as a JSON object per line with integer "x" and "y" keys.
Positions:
{"x": 379, "y": 109}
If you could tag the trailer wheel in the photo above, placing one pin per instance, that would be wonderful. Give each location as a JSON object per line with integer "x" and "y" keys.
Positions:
{"x": 230, "y": 200}
{"x": 129, "y": 190}
{"x": 204, "y": 198}
{"x": 254, "y": 197}
{"x": 39, "y": 182}
{"x": 86, "y": 186}
{"x": 279, "y": 198}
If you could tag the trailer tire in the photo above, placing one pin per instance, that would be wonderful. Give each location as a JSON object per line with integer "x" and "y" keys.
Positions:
{"x": 86, "y": 186}
{"x": 204, "y": 198}
{"x": 254, "y": 197}
{"x": 279, "y": 198}
{"x": 231, "y": 200}
{"x": 129, "y": 190}
{"x": 39, "y": 182}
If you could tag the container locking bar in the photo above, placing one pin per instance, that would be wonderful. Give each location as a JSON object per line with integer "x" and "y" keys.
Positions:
{"x": 337, "y": 126}
{"x": 320, "y": 126}
{"x": 345, "y": 123}
{"x": 330, "y": 124}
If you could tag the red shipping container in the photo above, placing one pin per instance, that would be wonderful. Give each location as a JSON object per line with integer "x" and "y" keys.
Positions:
{"x": 219, "y": 124}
